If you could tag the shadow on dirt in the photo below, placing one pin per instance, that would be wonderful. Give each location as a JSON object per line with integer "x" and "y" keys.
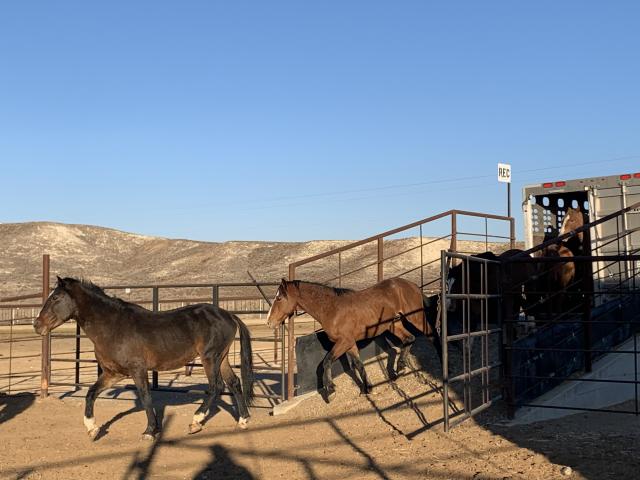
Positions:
{"x": 222, "y": 467}
{"x": 13, "y": 405}
{"x": 161, "y": 400}
{"x": 595, "y": 444}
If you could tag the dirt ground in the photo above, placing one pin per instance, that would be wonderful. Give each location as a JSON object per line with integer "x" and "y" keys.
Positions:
{"x": 394, "y": 433}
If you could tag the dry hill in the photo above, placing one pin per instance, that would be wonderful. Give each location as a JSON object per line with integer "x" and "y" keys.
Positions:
{"x": 108, "y": 256}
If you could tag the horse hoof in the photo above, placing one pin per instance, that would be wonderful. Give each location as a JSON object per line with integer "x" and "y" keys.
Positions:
{"x": 195, "y": 428}
{"x": 243, "y": 423}
{"x": 93, "y": 433}
{"x": 148, "y": 437}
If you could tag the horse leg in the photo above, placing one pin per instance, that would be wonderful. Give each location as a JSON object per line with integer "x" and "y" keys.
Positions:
{"x": 142, "y": 385}
{"x": 233, "y": 382}
{"x": 212, "y": 370}
{"x": 407, "y": 340}
{"x": 105, "y": 380}
{"x": 354, "y": 355}
{"x": 338, "y": 349}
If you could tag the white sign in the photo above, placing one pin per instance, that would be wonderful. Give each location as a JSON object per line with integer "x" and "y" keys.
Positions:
{"x": 504, "y": 172}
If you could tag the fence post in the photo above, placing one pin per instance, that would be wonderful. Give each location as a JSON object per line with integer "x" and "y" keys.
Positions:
{"x": 156, "y": 307}
{"x": 454, "y": 233}
{"x": 586, "y": 270}
{"x": 507, "y": 332}
{"x": 380, "y": 259}
{"x": 45, "y": 375}
{"x": 443, "y": 336}
{"x": 215, "y": 295}
{"x": 291, "y": 364}
{"x": 512, "y": 232}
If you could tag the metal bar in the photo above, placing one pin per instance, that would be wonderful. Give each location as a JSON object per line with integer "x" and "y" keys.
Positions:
{"x": 577, "y": 379}
{"x": 291, "y": 350}
{"x": 472, "y": 234}
{"x": 474, "y": 373}
{"x": 453, "y": 246}
{"x": 466, "y": 415}
{"x": 22, "y": 297}
{"x": 45, "y": 377}
{"x": 472, "y": 296}
{"x": 445, "y": 344}
{"x": 73, "y": 360}
{"x": 421, "y": 262}
{"x": 189, "y": 285}
{"x": 11, "y": 351}
{"x": 77, "y": 377}
{"x": 283, "y": 380}
{"x": 635, "y": 368}
{"x": 512, "y": 232}
{"x": 259, "y": 287}
{"x": 567, "y": 350}
{"x": 156, "y": 302}
{"x": 580, "y": 409}
{"x": 479, "y": 333}
{"x": 380, "y": 259}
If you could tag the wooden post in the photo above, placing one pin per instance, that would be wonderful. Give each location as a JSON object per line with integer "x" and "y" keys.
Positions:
{"x": 45, "y": 376}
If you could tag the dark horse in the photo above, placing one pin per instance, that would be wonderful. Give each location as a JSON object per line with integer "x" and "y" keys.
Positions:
{"x": 130, "y": 340}
{"x": 510, "y": 283}
{"x": 348, "y": 316}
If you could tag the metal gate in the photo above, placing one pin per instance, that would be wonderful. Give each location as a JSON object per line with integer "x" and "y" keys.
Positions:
{"x": 471, "y": 335}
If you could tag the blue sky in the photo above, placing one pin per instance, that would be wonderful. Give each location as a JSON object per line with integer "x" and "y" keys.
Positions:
{"x": 305, "y": 120}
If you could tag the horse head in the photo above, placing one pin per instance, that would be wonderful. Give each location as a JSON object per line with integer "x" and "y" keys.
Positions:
{"x": 59, "y": 307}
{"x": 573, "y": 219}
{"x": 283, "y": 305}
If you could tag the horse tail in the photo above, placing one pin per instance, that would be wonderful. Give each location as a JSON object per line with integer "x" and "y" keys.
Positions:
{"x": 246, "y": 362}
{"x": 433, "y": 321}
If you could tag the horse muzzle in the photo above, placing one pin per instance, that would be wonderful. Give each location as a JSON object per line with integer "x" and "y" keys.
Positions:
{"x": 39, "y": 327}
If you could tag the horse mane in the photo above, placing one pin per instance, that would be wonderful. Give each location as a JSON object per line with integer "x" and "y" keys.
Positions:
{"x": 95, "y": 291}
{"x": 336, "y": 290}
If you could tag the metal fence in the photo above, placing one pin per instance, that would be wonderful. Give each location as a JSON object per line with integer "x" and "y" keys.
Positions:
{"x": 471, "y": 334}
{"x": 63, "y": 360}
{"x": 595, "y": 315}
{"x": 411, "y": 251}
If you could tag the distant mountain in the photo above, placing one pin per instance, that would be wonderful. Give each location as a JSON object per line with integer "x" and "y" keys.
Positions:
{"x": 107, "y": 257}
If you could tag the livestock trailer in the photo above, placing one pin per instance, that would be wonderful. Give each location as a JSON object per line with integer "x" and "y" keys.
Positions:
{"x": 545, "y": 205}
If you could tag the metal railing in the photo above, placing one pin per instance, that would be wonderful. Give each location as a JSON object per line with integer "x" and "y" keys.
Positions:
{"x": 578, "y": 324}
{"x": 475, "y": 288}
{"x": 363, "y": 263}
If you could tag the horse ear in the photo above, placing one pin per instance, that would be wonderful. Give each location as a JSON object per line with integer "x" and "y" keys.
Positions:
{"x": 60, "y": 281}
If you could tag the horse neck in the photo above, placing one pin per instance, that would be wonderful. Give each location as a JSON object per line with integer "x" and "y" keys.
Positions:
{"x": 92, "y": 312}
{"x": 316, "y": 300}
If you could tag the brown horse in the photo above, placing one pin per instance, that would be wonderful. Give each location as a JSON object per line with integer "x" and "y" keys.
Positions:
{"x": 573, "y": 219}
{"x": 554, "y": 279}
{"x": 348, "y": 316}
{"x": 130, "y": 340}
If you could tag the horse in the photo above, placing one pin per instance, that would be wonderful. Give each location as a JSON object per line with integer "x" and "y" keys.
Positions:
{"x": 573, "y": 219}
{"x": 511, "y": 284}
{"x": 554, "y": 279}
{"x": 348, "y": 316}
{"x": 130, "y": 340}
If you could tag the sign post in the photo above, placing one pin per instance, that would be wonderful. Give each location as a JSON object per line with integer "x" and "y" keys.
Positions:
{"x": 504, "y": 176}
